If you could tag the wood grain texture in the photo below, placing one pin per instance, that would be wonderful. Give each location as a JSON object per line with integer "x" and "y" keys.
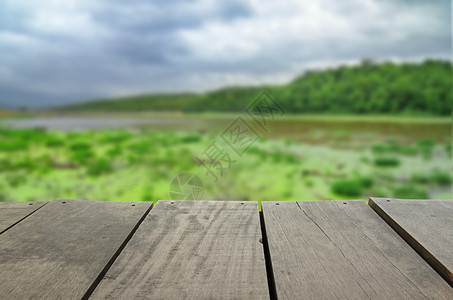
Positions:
{"x": 191, "y": 250}
{"x": 12, "y": 213}
{"x": 343, "y": 250}
{"x": 427, "y": 225}
{"x": 60, "y": 250}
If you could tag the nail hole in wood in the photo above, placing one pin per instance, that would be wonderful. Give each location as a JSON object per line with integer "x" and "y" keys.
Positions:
{"x": 277, "y": 203}
{"x": 388, "y": 200}
{"x": 345, "y": 203}
{"x": 133, "y": 204}
{"x": 63, "y": 202}
{"x": 30, "y": 203}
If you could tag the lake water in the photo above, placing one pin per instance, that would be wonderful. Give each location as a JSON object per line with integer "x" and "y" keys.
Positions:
{"x": 311, "y": 129}
{"x": 81, "y": 123}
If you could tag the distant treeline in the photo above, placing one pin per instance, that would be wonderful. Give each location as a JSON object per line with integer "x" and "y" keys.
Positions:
{"x": 368, "y": 88}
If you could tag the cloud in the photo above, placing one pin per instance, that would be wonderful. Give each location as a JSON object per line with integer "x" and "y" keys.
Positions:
{"x": 56, "y": 52}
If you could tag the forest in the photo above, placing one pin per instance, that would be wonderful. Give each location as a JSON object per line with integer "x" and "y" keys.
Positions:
{"x": 368, "y": 88}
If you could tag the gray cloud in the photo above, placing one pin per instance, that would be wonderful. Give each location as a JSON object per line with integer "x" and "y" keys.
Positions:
{"x": 54, "y": 53}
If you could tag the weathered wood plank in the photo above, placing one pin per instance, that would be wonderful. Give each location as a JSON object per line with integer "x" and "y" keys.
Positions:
{"x": 12, "y": 213}
{"x": 59, "y": 251}
{"x": 343, "y": 250}
{"x": 427, "y": 225}
{"x": 191, "y": 250}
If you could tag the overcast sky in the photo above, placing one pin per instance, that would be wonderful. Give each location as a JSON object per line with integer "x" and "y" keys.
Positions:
{"x": 55, "y": 52}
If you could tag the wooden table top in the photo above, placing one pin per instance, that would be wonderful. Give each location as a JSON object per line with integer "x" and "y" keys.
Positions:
{"x": 72, "y": 249}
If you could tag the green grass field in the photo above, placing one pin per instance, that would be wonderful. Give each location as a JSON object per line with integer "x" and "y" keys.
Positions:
{"x": 325, "y": 162}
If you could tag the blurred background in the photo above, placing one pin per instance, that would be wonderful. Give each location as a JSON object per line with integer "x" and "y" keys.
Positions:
{"x": 113, "y": 100}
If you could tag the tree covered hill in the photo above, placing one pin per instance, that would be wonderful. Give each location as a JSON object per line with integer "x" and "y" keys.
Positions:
{"x": 368, "y": 88}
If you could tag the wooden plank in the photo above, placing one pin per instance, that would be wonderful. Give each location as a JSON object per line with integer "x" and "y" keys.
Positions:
{"x": 12, "y": 213}
{"x": 191, "y": 250}
{"x": 427, "y": 225}
{"x": 343, "y": 250}
{"x": 60, "y": 251}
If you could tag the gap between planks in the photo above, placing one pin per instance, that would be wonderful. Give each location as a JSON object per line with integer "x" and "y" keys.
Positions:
{"x": 424, "y": 252}
{"x": 26, "y": 216}
{"x": 115, "y": 256}
{"x": 268, "y": 260}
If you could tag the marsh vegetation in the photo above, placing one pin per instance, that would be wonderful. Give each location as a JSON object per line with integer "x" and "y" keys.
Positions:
{"x": 312, "y": 158}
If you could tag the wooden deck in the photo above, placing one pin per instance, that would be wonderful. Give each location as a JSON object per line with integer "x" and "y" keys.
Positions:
{"x": 72, "y": 249}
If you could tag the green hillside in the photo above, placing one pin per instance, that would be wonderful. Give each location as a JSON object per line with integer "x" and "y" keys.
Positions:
{"x": 370, "y": 88}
